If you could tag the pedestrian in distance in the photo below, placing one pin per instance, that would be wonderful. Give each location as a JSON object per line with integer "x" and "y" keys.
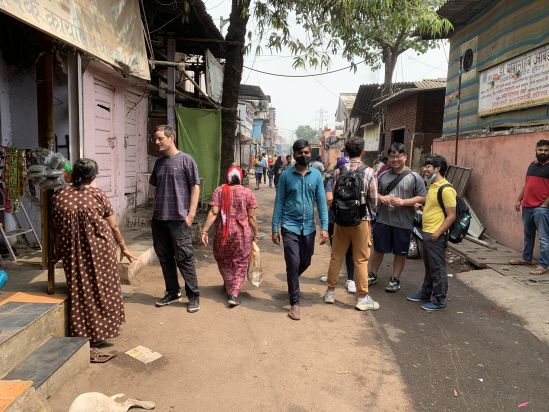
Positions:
{"x": 349, "y": 263}
{"x": 177, "y": 182}
{"x": 264, "y": 165}
{"x": 277, "y": 169}
{"x": 437, "y": 219}
{"x": 534, "y": 200}
{"x": 270, "y": 175}
{"x": 399, "y": 190}
{"x": 353, "y": 201}
{"x": 300, "y": 186}
{"x": 258, "y": 167}
{"x": 233, "y": 212}
{"x": 85, "y": 231}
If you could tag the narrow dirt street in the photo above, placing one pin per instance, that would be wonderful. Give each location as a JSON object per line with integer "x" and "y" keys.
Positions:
{"x": 473, "y": 356}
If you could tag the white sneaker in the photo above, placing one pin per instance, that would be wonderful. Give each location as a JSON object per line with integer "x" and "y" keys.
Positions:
{"x": 351, "y": 287}
{"x": 330, "y": 296}
{"x": 366, "y": 303}
{"x": 324, "y": 278}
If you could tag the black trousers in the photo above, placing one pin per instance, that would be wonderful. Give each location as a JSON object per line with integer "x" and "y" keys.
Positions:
{"x": 173, "y": 245}
{"x": 435, "y": 282}
{"x": 264, "y": 175}
{"x": 298, "y": 251}
{"x": 349, "y": 262}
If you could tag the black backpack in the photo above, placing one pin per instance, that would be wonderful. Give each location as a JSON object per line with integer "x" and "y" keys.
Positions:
{"x": 349, "y": 203}
{"x": 460, "y": 227}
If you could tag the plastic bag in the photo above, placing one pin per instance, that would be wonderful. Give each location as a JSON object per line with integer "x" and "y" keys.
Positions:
{"x": 255, "y": 273}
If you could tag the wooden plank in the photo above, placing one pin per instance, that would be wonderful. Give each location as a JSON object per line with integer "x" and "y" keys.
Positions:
{"x": 499, "y": 259}
{"x": 509, "y": 270}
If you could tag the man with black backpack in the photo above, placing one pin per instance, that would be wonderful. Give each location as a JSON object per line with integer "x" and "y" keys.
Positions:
{"x": 399, "y": 190}
{"x": 438, "y": 217}
{"x": 353, "y": 202}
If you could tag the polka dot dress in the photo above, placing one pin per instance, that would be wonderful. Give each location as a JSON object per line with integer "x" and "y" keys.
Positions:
{"x": 86, "y": 245}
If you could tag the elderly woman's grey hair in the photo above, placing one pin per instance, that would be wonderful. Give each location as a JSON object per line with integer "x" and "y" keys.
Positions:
{"x": 84, "y": 171}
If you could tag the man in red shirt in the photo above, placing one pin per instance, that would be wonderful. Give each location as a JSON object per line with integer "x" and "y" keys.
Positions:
{"x": 534, "y": 199}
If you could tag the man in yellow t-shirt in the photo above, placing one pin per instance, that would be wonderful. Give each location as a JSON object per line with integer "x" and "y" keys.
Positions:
{"x": 436, "y": 222}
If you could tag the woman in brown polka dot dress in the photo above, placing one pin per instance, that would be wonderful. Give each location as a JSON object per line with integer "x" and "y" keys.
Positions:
{"x": 85, "y": 231}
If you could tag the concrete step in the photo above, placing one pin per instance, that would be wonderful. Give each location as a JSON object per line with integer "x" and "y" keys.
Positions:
{"x": 26, "y": 322}
{"x": 47, "y": 368}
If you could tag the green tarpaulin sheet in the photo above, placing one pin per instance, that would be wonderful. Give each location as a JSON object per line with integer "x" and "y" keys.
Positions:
{"x": 199, "y": 134}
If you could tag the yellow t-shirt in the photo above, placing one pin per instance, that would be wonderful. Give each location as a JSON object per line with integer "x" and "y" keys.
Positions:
{"x": 433, "y": 215}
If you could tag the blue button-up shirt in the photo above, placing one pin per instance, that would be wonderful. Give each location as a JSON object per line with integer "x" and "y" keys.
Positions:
{"x": 295, "y": 199}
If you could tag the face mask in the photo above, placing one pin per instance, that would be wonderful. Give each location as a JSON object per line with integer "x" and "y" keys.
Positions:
{"x": 432, "y": 178}
{"x": 542, "y": 157}
{"x": 302, "y": 160}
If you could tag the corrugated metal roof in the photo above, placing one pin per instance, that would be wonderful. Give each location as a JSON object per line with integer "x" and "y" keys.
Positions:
{"x": 430, "y": 83}
{"x": 348, "y": 99}
{"x": 370, "y": 94}
{"x": 248, "y": 90}
{"x": 438, "y": 85}
{"x": 460, "y": 12}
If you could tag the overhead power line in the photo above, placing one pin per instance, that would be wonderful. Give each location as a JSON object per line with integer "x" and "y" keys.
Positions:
{"x": 302, "y": 75}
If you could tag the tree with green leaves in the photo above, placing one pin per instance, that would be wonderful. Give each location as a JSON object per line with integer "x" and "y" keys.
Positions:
{"x": 306, "y": 132}
{"x": 376, "y": 31}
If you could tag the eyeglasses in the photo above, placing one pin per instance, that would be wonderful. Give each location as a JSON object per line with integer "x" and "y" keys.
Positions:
{"x": 394, "y": 157}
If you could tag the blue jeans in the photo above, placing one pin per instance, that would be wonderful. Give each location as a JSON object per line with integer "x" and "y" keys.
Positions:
{"x": 536, "y": 219}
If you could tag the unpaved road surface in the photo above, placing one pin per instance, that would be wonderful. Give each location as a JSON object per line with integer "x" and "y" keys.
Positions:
{"x": 473, "y": 356}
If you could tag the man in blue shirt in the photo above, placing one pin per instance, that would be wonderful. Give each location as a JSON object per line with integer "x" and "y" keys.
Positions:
{"x": 298, "y": 189}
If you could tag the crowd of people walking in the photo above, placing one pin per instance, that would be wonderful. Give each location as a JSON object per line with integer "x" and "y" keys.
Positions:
{"x": 365, "y": 212}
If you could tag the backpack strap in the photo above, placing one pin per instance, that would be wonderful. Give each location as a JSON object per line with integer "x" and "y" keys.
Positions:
{"x": 439, "y": 196}
{"x": 395, "y": 182}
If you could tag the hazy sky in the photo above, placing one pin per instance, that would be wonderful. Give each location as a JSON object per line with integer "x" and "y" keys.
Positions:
{"x": 304, "y": 101}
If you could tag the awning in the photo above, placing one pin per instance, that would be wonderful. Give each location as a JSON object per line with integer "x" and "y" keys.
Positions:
{"x": 108, "y": 29}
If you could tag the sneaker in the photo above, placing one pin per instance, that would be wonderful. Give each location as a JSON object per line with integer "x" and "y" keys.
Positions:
{"x": 418, "y": 297}
{"x": 168, "y": 299}
{"x": 324, "y": 278}
{"x": 233, "y": 301}
{"x": 194, "y": 304}
{"x": 393, "y": 285}
{"x": 366, "y": 303}
{"x": 372, "y": 278}
{"x": 432, "y": 307}
{"x": 330, "y": 296}
{"x": 351, "y": 286}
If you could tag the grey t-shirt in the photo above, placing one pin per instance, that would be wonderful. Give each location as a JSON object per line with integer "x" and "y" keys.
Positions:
{"x": 410, "y": 186}
{"x": 173, "y": 178}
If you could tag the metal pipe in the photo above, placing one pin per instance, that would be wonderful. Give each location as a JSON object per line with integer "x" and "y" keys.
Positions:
{"x": 458, "y": 108}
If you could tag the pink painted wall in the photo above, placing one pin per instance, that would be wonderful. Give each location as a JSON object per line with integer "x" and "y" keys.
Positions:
{"x": 499, "y": 168}
{"x": 113, "y": 156}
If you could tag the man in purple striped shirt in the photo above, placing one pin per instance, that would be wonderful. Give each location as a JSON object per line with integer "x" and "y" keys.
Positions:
{"x": 177, "y": 183}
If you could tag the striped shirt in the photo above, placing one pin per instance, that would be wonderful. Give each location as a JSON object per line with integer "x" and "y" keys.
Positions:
{"x": 173, "y": 178}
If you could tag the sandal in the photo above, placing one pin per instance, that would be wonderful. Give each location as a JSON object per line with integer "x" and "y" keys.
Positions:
{"x": 540, "y": 270}
{"x": 293, "y": 313}
{"x": 98, "y": 357}
{"x": 519, "y": 261}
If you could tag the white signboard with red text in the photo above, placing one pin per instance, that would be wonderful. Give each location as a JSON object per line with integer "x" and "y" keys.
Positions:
{"x": 517, "y": 83}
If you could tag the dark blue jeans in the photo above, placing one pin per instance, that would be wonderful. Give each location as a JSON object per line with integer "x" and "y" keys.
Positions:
{"x": 298, "y": 251}
{"x": 435, "y": 282}
{"x": 536, "y": 219}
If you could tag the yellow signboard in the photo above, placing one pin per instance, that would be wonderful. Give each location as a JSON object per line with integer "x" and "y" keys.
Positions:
{"x": 108, "y": 29}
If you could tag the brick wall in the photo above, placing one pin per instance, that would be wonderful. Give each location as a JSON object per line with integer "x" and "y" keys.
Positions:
{"x": 400, "y": 114}
{"x": 418, "y": 113}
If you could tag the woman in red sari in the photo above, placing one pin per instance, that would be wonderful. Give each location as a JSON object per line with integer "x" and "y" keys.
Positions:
{"x": 233, "y": 212}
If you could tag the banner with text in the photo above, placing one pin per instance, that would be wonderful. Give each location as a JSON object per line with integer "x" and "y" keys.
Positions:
{"x": 107, "y": 29}
{"x": 517, "y": 83}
